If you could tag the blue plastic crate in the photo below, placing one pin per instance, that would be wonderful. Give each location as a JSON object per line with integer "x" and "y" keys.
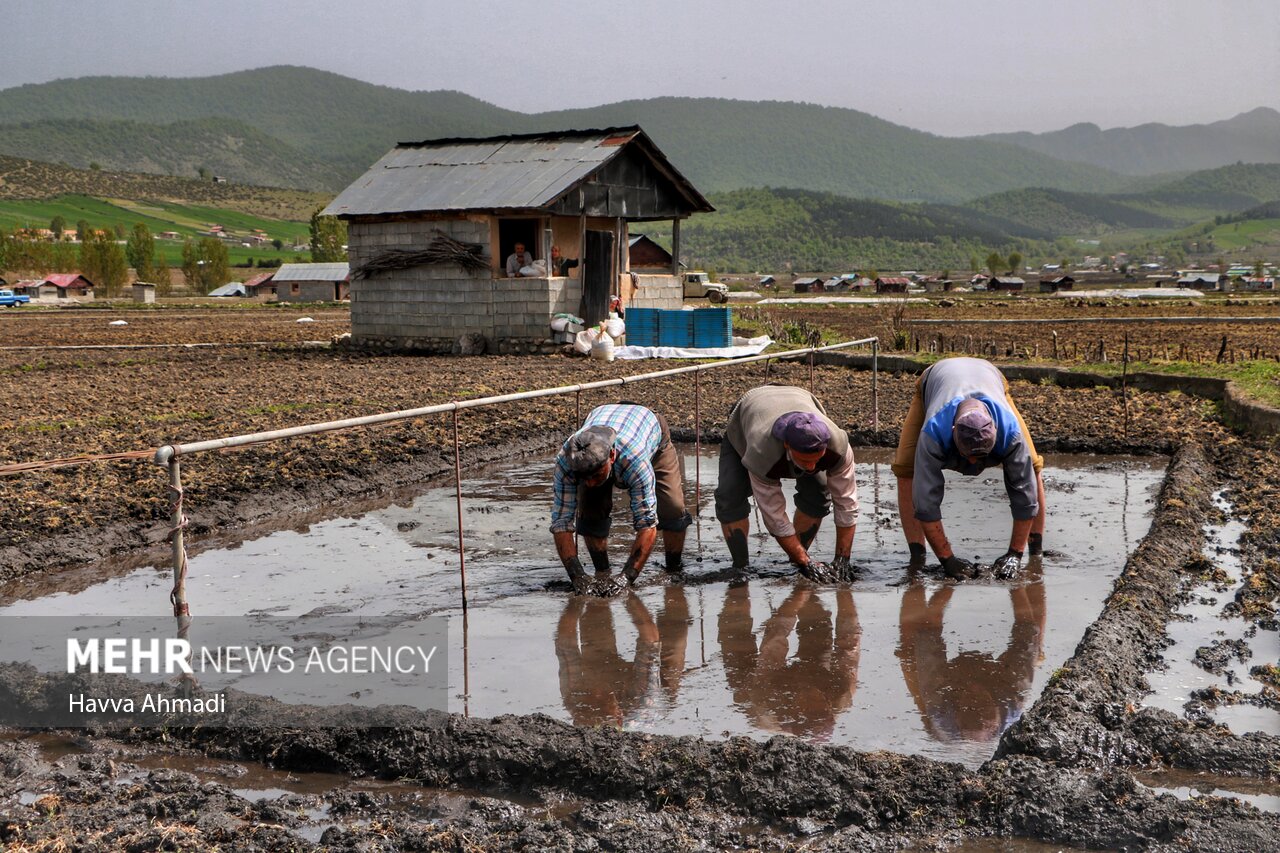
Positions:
{"x": 675, "y": 329}
{"x": 642, "y": 327}
{"x": 712, "y": 327}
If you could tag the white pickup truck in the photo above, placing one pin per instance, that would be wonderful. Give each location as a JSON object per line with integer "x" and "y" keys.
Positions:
{"x": 698, "y": 285}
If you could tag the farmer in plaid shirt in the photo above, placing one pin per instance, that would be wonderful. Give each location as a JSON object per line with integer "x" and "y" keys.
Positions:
{"x": 620, "y": 446}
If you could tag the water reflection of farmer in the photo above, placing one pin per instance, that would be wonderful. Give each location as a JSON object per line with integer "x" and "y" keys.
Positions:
{"x": 970, "y": 696}
{"x": 803, "y": 694}
{"x": 601, "y": 687}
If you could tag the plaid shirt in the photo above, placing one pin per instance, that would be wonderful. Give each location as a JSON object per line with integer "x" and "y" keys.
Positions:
{"x": 639, "y": 436}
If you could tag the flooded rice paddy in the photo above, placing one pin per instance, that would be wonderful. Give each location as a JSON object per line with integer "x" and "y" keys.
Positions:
{"x": 900, "y": 661}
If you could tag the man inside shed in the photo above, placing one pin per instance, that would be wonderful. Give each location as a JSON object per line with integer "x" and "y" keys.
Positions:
{"x": 963, "y": 419}
{"x": 620, "y": 446}
{"x": 778, "y": 432}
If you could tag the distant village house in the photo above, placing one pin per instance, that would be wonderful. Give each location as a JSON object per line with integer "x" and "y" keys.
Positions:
{"x": 312, "y": 282}
{"x": 57, "y": 286}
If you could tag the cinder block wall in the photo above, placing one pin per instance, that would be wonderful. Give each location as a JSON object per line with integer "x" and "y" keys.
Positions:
{"x": 429, "y": 307}
{"x": 658, "y": 291}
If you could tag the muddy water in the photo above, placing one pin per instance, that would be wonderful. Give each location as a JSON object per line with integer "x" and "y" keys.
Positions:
{"x": 1184, "y": 785}
{"x": 1200, "y": 622}
{"x": 910, "y": 664}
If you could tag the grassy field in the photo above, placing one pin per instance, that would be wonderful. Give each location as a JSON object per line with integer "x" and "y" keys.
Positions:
{"x": 186, "y": 219}
{"x": 1252, "y": 233}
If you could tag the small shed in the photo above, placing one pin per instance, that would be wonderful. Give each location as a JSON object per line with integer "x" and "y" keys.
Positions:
{"x": 835, "y": 284}
{"x": 262, "y": 284}
{"x": 933, "y": 284}
{"x": 1199, "y": 280}
{"x": 1008, "y": 283}
{"x": 892, "y": 284}
{"x": 313, "y": 282}
{"x": 231, "y": 288}
{"x": 1255, "y": 283}
{"x": 57, "y": 286}
{"x": 144, "y": 292}
{"x": 766, "y": 281}
{"x": 808, "y": 285}
{"x": 1057, "y": 283}
{"x": 647, "y": 255}
{"x": 432, "y": 225}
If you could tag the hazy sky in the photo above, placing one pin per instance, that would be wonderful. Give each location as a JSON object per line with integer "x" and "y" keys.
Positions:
{"x": 946, "y": 66}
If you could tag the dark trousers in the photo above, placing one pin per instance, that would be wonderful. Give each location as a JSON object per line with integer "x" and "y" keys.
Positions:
{"x": 734, "y": 487}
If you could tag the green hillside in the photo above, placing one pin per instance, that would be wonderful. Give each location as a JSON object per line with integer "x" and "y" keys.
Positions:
{"x": 224, "y": 147}
{"x": 33, "y": 180}
{"x": 719, "y": 144}
{"x": 1226, "y": 189}
{"x": 186, "y": 219}
{"x": 345, "y": 123}
{"x": 1059, "y": 213}
{"x": 775, "y": 229}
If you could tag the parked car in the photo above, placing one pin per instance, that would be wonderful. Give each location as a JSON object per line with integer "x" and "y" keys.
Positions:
{"x": 9, "y": 299}
{"x": 698, "y": 285}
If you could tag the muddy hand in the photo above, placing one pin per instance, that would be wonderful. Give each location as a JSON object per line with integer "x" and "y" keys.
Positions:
{"x": 578, "y": 579}
{"x": 845, "y": 570}
{"x": 1007, "y": 566}
{"x": 959, "y": 568}
{"x": 818, "y": 572}
{"x": 607, "y": 586}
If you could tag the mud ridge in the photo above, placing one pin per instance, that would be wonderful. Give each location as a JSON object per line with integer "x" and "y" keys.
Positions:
{"x": 1087, "y": 715}
{"x": 663, "y": 787}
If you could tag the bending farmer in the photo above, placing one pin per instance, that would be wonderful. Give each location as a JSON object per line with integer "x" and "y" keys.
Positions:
{"x": 778, "y": 432}
{"x": 962, "y": 419}
{"x": 621, "y": 446}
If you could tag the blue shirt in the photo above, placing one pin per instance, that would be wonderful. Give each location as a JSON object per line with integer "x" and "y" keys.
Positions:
{"x": 639, "y": 437}
{"x": 944, "y": 387}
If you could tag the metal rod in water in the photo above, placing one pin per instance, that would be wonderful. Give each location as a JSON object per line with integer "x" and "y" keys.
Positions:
{"x": 875, "y": 385}
{"x": 466, "y": 667}
{"x": 457, "y": 485}
{"x": 697, "y": 442}
{"x": 178, "y": 596}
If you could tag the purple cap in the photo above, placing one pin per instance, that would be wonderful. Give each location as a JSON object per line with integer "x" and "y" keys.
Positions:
{"x": 974, "y": 430}
{"x": 802, "y": 431}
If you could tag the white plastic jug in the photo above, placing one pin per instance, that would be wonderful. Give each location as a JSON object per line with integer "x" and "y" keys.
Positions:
{"x": 603, "y": 347}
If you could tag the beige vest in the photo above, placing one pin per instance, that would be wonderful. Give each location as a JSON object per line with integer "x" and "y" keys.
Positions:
{"x": 751, "y": 425}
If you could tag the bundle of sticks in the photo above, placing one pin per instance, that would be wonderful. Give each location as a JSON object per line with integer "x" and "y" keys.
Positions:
{"x": 443, "y": 250}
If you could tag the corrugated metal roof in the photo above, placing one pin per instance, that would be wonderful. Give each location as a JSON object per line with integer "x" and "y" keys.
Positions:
{"x": 506, "y": 173}
{"x": 313, "y": 272}
{"x": 523, "y": 172}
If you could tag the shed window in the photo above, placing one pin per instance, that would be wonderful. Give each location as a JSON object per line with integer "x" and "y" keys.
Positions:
{"x": 295, "y": 289}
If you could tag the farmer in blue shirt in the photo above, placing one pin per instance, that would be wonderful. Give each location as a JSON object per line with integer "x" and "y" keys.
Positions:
{"x": 620, "y": 446}
{"x": 962, "y": 419}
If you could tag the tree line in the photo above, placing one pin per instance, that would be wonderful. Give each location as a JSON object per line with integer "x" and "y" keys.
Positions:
{"x": 102, "y": 258}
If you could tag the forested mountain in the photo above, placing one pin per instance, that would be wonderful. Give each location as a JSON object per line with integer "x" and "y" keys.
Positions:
{"x": 801, "y": 230}
{"x": 1226, "y": 189}
{"x": 1057, "y": 212}
{"x": 346, "y": 124}
{"x": 1252, "y": 137}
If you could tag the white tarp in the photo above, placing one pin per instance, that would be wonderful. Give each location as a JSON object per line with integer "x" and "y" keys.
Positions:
{"x": 741, "y": 347}
{"x": 1136, "y": 293}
